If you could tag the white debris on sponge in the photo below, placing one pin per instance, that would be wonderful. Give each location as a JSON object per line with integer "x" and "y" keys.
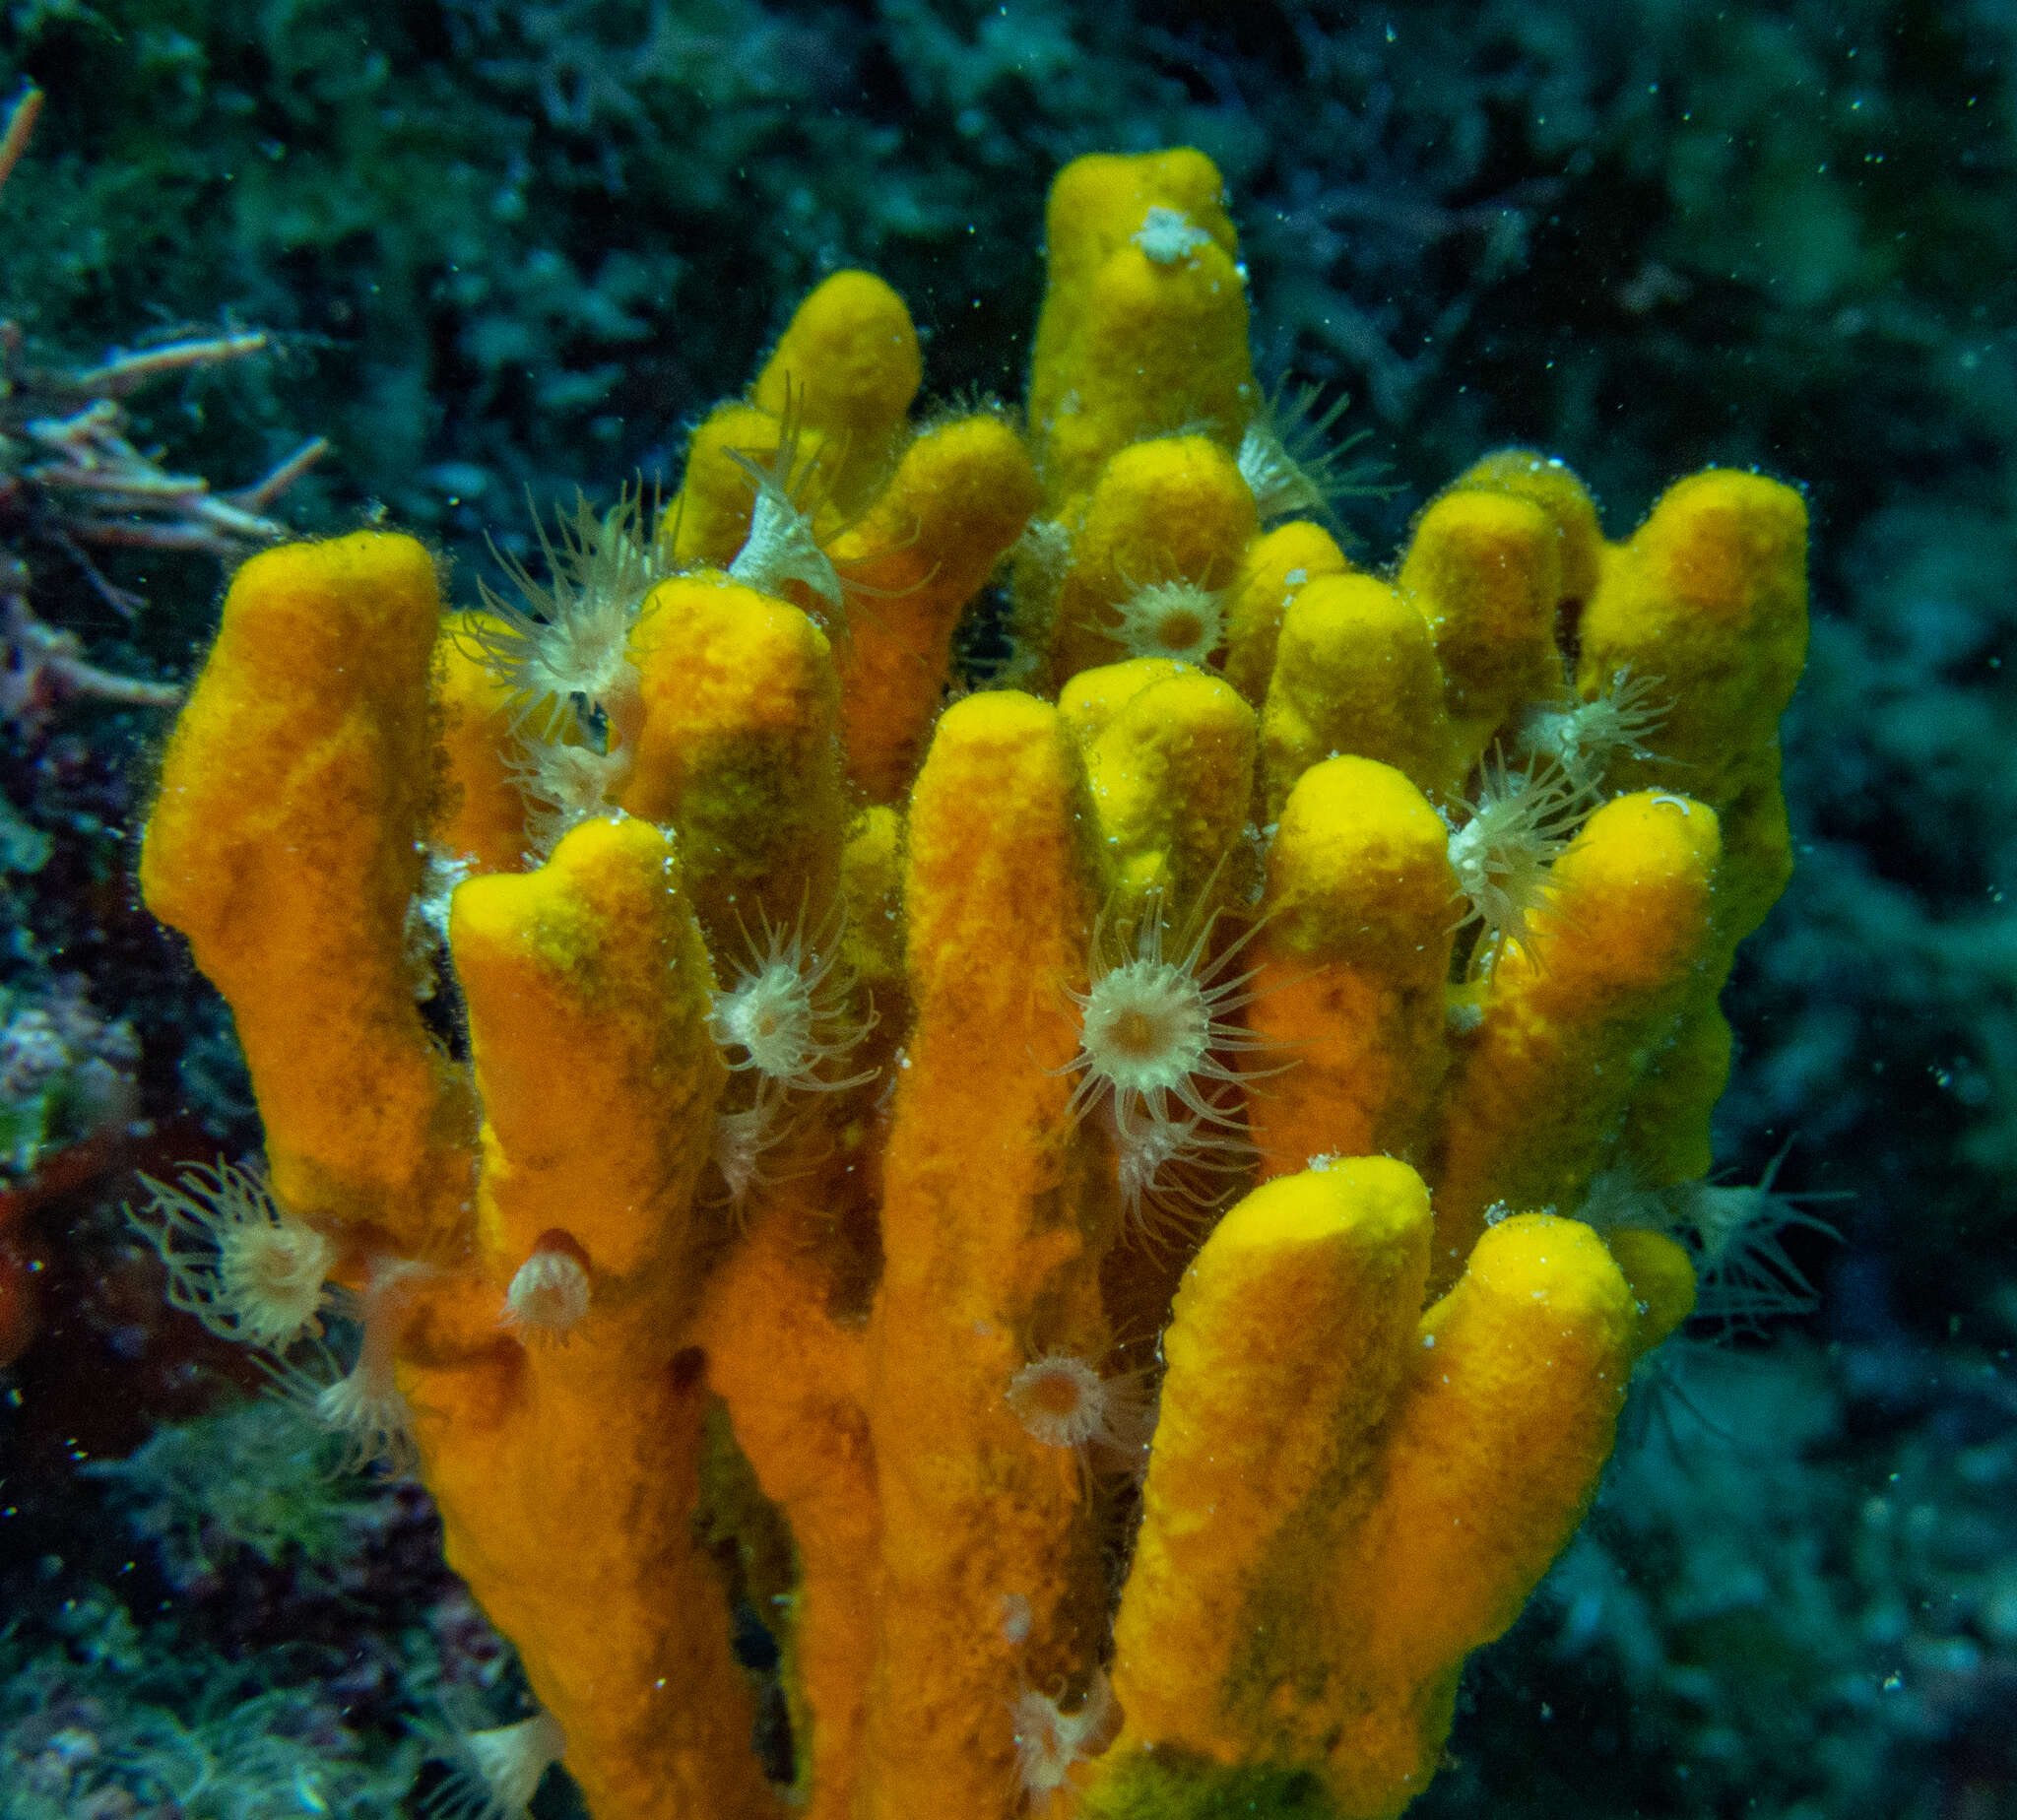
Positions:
{"x": 1167, "y": 237}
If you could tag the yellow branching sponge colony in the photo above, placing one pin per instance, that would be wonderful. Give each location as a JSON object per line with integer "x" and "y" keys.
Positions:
{"x": 1115, "y": 1214}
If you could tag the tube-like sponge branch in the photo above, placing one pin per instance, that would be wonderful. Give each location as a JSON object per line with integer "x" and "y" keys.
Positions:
{"x": 957, "y": 1170}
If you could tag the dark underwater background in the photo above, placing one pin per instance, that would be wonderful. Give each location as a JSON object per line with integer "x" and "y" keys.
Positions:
{"x": 503, "y": 247}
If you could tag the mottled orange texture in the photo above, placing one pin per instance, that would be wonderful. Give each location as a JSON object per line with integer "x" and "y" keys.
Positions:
{"x": 567, "y": 1472}
{"x": 1330, "y": 1527}
{"x": 479, "y": 813}
{"x": 959, "y": 498}
{"x": 993, "y": 1221}
{"x": 1144, "y": 329}
{"x": 1276, "y": 567}
{"x": 795, "y": 1378}
{"x": 1572, "y": 1020}
{"x": 738, "y": 752}
{"x": 783, "y": 1056}
{"x": 285, "y": 844}
{"x": 1352, "y": 957}
{"x": 1484, "y": 569}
